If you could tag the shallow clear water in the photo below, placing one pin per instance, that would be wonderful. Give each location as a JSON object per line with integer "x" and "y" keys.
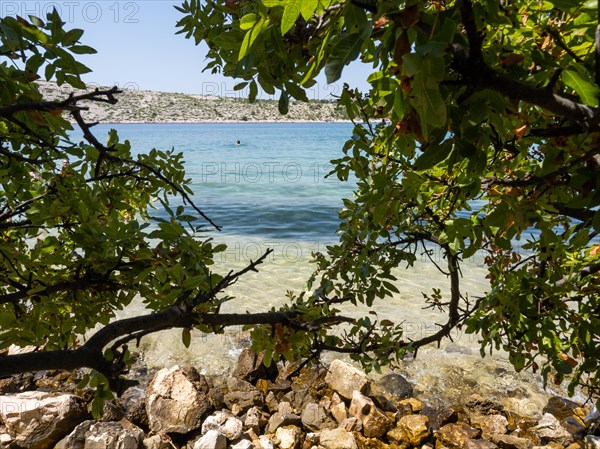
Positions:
{"x": 270, "y": 192}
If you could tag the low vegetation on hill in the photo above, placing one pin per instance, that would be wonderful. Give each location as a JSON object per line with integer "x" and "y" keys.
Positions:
{"x": 142, "y": 106}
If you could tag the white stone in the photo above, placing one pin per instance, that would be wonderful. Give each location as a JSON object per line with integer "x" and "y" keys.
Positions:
{"x": 39, "y": 419}
{"x": 549, "y": 429}
{"x": 265, "y": 442}
{"x": 287, "y": 437}
{"x": 337, "y": 439}
{"x": 344, "y": 379}
{"x": 211, "y": 440}
{"x": 104, "y": 435}
{"x": 156, "y": 442}
{"x": 242, "y": 444}
{"x": 176, "y": 400}
{"x": 225, "y": 423}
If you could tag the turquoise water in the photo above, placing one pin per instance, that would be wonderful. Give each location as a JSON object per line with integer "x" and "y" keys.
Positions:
{"x": 272, "y": 185}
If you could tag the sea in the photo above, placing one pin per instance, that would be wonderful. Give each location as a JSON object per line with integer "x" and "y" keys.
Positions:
{"x": 266, "y": 185}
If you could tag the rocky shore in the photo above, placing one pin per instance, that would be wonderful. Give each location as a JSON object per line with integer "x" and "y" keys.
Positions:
{"x": 142, "y": 106}
{"x": 338, "y": 407}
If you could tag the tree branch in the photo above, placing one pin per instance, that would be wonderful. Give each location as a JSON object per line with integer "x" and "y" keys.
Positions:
{"x": 594, "y": 268}
{"x": 69, "y": 103}
{"x": 480, "y": 76}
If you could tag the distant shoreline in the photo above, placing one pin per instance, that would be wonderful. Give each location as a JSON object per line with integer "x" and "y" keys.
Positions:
{"x": 215, "y": 122}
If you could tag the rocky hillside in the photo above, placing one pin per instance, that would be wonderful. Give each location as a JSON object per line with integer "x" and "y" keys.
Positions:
{"x": 140, "y": 106}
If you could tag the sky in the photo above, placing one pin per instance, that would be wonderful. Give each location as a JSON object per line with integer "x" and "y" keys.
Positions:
{"x": 138, "y": 48}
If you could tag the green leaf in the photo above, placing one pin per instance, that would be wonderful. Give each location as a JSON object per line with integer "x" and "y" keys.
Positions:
{"x": 296, "y": 91}
{"x": 37, "y": 21}
{"x": 307, "y": 8}
{"x": 72, "y": 36}
{"x": 434, "y": 154}
{"x": 250, "y": 37}
{"x": 290, "y": 15}
{"x": 248, "y": 21}
{"x": 272, "y": 3}
{"x": 284, "y": 102}
{"x": 253, "y": 91}
{"x": 186, "y": 337}
{"x": 178, "y": 273}
{"x": 82, "y": 50}
{"x": 343, "y": 52}
{"x": 586, "y": 90}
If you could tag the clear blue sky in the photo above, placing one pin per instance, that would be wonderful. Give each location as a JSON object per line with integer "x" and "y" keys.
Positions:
{"x": 137, "y": 47}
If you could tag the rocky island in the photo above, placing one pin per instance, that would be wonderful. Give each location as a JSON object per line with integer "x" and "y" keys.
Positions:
{"x": 143, "y": 106}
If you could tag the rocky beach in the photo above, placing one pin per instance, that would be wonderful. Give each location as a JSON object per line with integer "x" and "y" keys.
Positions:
{"x": 255, "y": 407}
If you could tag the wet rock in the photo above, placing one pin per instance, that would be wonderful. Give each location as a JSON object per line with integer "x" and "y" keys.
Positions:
{"x": 315, "y": 418}
{"x": 375, "y": 423}
{"x": 225, "y": 423}
{"x": 455, "y": 435}
{"x": 250, "y": 367}
{"x": 440, "y": 416}
{"x": 479, "y": 444}
{"x": 394, "y": 386}
{"x": 512, "y": 442}
{"x": 478, "y": 405}
{"x": 415, "y": 427}
{"x": 344, "y": 379}
{"x": 351, "y": 424}
{"x": 211, "y": 440}
{"x": 157, "y": 442}
{"x": 519, "y": 425}
{"x": 397, "y": 436}
{"x": 550, "y": 430}
{"x": 370, "y": 443}
{"x": 454, "y": 348}
{"x": 415, "y": 405}
{"x": 592, "y": 420}
{"x": 133, "y": 403}
{"x": 288, "y": 437}
{"x": 592, "y": 442}
{"x": 38, "y": 420}
{"x": 337, "y": 439}
{"x": 574, "y": 427}
{"x": 105, "y": 435}
{"x": 490, "y": 425}
{"x": 559, "y": 407}
{"x": 176, "y": 400}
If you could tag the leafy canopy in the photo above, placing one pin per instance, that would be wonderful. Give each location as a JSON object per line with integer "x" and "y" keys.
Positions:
{"x": 480, "y": 134}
